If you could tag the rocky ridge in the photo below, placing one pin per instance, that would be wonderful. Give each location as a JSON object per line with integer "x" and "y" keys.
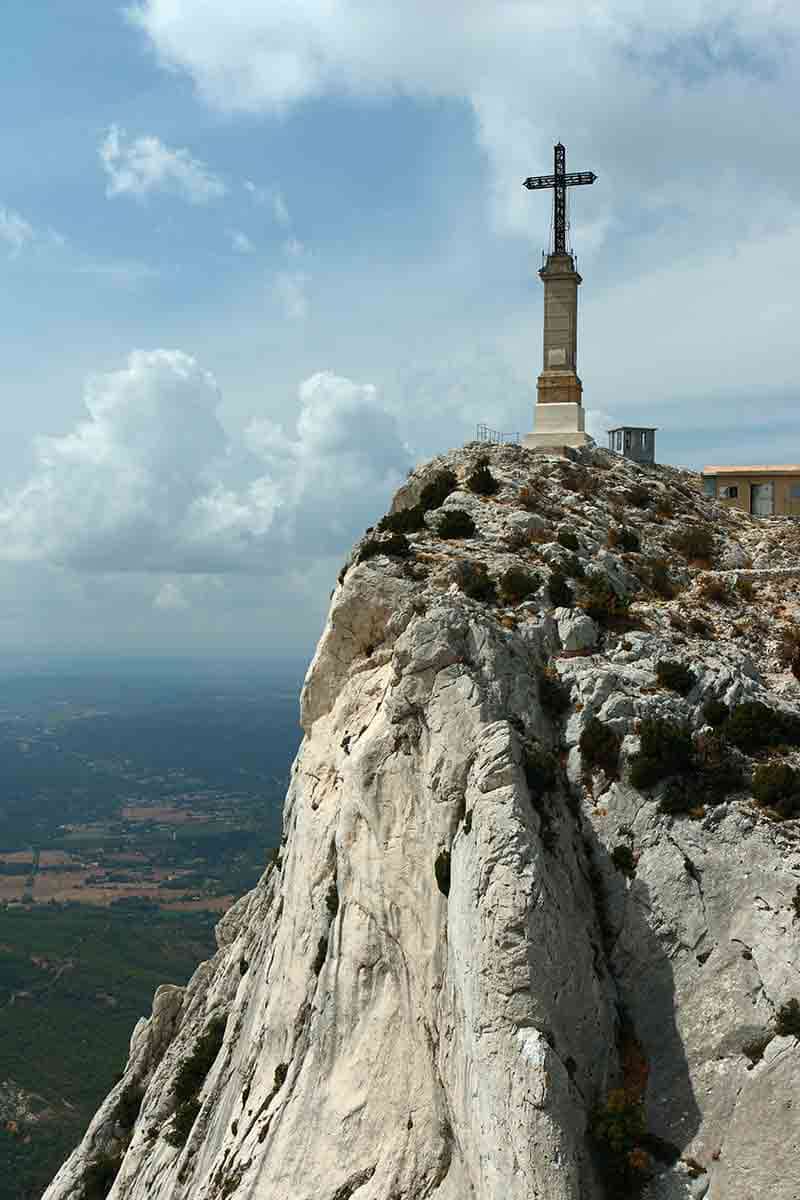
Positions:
{"x": 529, "y": 933}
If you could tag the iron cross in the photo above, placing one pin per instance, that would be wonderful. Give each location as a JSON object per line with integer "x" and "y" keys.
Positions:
{"x": 559, "y": 182}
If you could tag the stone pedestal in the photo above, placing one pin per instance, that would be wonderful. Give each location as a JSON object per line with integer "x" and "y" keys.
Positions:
{"x": 558, "y": 418}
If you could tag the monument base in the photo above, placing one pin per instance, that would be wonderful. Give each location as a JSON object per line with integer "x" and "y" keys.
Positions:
{"x": 555, "y": 441}
{"x": 558, "y": 387}
{"x": 557, "y": 425}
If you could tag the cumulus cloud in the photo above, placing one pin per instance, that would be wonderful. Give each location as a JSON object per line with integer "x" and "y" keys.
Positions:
{"x": 682, "y": 109}
{"x": 149, "y": 481}
{"x": 138, "y": 166}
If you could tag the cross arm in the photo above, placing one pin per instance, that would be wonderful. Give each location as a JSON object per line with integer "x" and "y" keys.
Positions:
{"x": 534, "y": 182}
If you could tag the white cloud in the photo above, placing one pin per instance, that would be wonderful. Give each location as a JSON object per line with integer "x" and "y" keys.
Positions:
{"x": 291, "y": 289}
{"x": 682, "y": 109}
{"x": 138, "y": 166}
{"x": 150, "y": 482}
{"x": 293, "y": 248}
{"x": 240, "y": 242}
{"x": 15, "y": 231}
{"x": 279, "y": 209}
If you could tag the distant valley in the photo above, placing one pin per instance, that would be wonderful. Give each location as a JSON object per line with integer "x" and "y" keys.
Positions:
{"x": 137, "y": 801}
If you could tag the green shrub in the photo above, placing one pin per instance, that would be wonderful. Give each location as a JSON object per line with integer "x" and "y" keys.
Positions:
{"x": 436, "y": 491}
{"x": 695, "y": 543}
{"x": 568, "y": 539}
{"x": 441, "y": 870}
{"x": 473, "y": 580}
{"x": 193, "y": 1070}
{"x": 540, "y": 770}
{"x": 128, "y": 1105}
{"x": 753, "y": 726}
{"x": 455, "y": 523}
{"x": 99, "y": 1176}
{"x": 481, "y": 481}
{"x": 718, "y": 780}
{"x": 677, "y": 797}
{"x": 745, "y": 588}
{"x": 553, "y": 693}
{"x": 754, "y": 1049}
{"x": 599, "y": 746}
{"x": 665, "y": 749}
{"x": 715, "y": 713}
{"x": 623, "y": 859}
{"x": 787, "y": 1019}
{"x": 699, "y": 627}
{"x": 777, "y": 785}
{"x": 407, "y": 520}
{"x": 559, "y": 591}
{"x": 180, "y": 1127}
{"x": 622, "y": 538}
{"x": 395, "y": 546}
{"x": 675, "y": 675}
{"x": 617, "y": 1129}
{"x": 598, "y": 599}
{"x": 517, "y": 584}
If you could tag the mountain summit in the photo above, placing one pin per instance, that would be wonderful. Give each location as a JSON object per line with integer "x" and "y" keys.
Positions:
{"x": 532, "y": 930}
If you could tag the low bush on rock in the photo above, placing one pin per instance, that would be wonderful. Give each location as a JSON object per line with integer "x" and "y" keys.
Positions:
{"x": 128, "y": 1105}
{"x": 776, "y": 785}
{"x": 481, "y": 481}
{"x": 599, "y": 746}
{"x": 695, "y": 543}
{"x": 624, "y": 860}
{"x": 441, "y": 869}
{"x": 436, "y": 491}
{"x": 675, "y": 676}
{"x": 540, "y": 770}
{"x": 665, "y": 749}
{"x": 624, "y": 539}
{"x": 699, "y": 627}
{"x": 553, "y": 693}
{"x": 754, "y": 1049}
{"x": 455, "y": 523}
{"x": 754, "y": 726}
{"x": 474, "y": 581}
{"x": 190, "y": 1078}
{"x": 99, "y": 1176}
{"x": 638, "y": 495}
{"x": 407, "y": 520}
{"x": 598, "y": 600}
{"x": 787, "y": 1019}
{"x": 715, "y": 713}
{"x": 567, "y": 539}
{"x": 396, "y": 545}
{"x": 617, "y": 1129}
{"x": 517, "y": 584}
{"x": 745, "y": 588}
{"x": 559, "y": 591}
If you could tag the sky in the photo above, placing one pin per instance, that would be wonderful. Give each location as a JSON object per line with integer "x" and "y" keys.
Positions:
{"x": 260, "y": 258}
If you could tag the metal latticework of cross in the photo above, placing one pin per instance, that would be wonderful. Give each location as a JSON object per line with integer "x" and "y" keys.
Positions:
{"x": 559, "y": 181}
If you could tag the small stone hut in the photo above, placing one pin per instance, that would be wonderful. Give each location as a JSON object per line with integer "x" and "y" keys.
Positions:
{"x": 762, "y": 490}
{"x": 634, "y": 441}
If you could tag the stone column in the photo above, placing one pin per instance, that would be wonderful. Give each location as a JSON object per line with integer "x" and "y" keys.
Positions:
{"x": 559, "y": 416}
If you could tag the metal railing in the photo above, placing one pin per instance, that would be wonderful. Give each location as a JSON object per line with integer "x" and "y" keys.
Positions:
{"x": 494, "y": 436}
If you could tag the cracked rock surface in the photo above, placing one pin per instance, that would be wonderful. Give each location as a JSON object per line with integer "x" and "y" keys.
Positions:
{"x": 474, "y": 934}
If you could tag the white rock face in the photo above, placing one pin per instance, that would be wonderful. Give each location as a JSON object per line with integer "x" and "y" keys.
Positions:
{"x": 445, "y": 974}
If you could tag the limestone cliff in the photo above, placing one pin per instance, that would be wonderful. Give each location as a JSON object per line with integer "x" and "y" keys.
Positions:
{"x": 528, "y": 935}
